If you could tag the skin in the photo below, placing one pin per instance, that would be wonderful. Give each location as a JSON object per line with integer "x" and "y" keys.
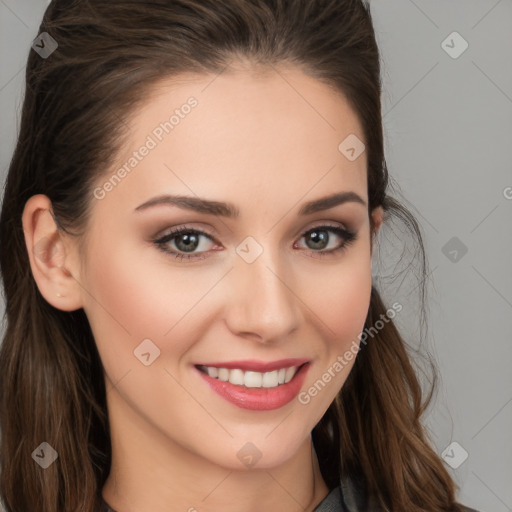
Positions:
{"x": 254, "y": 141}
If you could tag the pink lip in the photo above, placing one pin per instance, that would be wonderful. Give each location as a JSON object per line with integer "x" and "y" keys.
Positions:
{"x": 257, "y": 366}
{"x": 258, "y": 399}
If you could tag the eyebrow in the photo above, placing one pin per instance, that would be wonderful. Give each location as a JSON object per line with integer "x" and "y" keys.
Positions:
{"x": 229, "y": 210}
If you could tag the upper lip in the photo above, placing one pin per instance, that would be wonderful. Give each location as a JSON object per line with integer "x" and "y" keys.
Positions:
{"x": 257, "y": 366}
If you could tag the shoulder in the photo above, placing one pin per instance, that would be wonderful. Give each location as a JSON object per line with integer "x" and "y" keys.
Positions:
{"x": 355, "y": 499}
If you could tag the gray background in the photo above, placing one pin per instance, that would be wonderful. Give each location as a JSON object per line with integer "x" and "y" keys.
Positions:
{"x": 448, "y": 136}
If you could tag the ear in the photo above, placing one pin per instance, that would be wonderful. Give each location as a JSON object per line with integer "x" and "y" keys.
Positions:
{"x": 49, "y": 252}
{"x": 378, "y": 219}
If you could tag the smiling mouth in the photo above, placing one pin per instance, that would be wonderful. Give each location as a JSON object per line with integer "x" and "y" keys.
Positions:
{"x": 252, "y": 379}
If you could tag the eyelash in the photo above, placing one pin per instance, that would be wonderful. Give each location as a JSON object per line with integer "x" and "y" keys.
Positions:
{"x": 161, "y": 243}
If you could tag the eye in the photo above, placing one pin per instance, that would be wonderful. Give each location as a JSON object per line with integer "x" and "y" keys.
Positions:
{"x": 319, "y": 239}
{"x": 186, "y": 240}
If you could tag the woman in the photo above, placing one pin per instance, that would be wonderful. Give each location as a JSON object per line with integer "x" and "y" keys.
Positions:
{"x": 187, "y": 235}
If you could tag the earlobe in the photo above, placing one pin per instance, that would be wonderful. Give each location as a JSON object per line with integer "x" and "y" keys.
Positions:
{"x": 49, "y": 256}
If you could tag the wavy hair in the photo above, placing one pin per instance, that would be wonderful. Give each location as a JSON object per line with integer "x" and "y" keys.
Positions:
{"x": 51, "y": 376}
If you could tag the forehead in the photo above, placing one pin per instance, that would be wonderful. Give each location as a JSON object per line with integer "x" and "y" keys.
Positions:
{"x": 245, "y": 131}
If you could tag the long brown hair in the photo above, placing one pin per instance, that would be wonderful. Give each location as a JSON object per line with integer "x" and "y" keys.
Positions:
{"x": 51, "y": 378}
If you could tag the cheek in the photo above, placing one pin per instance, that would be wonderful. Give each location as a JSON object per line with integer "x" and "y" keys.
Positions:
{"x": 352, "y": 305}
{"x": 341, "y": 309}
{"x": 341, "y": 303}
{"x": 131, "y": 299}
{"x": 134, "y": 295}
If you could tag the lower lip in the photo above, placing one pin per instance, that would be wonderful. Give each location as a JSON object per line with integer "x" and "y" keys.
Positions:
{"x": 258, "y": 399}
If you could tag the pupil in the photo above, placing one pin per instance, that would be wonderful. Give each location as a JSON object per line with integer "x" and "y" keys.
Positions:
{"x": 189, "y": 241}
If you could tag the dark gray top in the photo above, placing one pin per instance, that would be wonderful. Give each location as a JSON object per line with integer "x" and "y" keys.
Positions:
{"x": 349, "y": 496}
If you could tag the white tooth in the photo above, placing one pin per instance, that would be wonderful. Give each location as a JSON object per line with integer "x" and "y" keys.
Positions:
{"x": 290, "y": 372}
{"x": 236, "y": 376}
{"x": 270, "y": 379}
{"x": 223, "y": 374}
{"x": 212, "y": 371}
{"x": 252, "y": 379}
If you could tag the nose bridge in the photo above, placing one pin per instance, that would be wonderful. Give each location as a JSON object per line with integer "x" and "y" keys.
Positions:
{"x": 262, "y": 302}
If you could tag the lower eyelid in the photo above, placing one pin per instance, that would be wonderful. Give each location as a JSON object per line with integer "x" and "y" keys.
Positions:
{"x": 347, "y": 236}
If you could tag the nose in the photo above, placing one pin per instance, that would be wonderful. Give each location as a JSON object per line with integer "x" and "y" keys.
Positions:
{"x": 262, "y": 302}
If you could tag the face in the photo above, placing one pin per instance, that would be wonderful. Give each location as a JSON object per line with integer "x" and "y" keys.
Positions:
{"x": 273, "y": 285}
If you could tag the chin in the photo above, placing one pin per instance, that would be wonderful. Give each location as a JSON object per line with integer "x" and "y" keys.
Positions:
{"x": 258, "y": 451}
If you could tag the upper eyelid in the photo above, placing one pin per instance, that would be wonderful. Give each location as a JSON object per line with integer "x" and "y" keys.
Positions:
{"x": 344, "y": 232}
{"x": 175, "y": 231}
